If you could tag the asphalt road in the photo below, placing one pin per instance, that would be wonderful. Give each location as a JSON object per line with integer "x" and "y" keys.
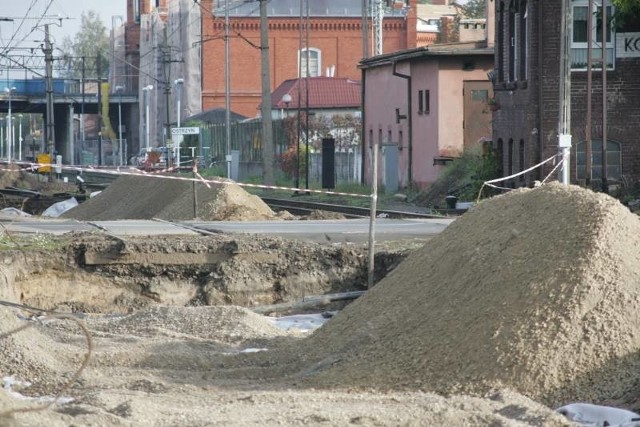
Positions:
{"x": 350, "y": 230}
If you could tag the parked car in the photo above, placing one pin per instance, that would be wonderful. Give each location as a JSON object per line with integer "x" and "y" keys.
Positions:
{"x": 142, "y": 158}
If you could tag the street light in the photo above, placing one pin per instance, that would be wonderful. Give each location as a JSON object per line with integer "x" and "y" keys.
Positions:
{"x": 286, "y": 98}
{"x": 176, "y": 150}
{"x": 119, "y": 90}
{"x": 145, "y": 91}
{"x": 9, "y": 127}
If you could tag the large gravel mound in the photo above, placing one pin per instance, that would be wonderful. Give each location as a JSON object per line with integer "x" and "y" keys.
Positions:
{"x": 536, "y": 290}
{"x": 147, "y": 197}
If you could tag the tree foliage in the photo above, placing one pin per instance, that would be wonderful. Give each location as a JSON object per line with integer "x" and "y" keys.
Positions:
{"x": 90, "y": 43}
{"x": 627, "y": 15}
{"x": 474, "y": 9}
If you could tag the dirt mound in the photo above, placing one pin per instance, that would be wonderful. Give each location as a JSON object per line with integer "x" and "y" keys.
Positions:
{"x": 536, "y": 290}
{"x": 145, "y": 197}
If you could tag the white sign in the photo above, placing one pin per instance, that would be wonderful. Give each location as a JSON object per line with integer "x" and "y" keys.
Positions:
{"x": 185, "y": 131}
{"x": 628, "y": 45}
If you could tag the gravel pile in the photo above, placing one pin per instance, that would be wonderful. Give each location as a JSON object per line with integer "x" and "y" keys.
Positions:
{"x": 147, "y": 197}
{"x": 537, "y": 290}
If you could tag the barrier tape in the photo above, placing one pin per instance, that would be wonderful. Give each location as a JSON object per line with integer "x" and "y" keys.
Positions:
{"x": 491, "y": 182}
{"x": 133, "y": 171}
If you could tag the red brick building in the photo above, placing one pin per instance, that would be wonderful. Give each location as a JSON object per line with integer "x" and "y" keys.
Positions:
{"x": 335, "y": 44}
{"x": 527, "y": 88}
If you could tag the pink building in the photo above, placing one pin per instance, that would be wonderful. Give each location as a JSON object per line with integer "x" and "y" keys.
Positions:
{"x": 423, "y": 107}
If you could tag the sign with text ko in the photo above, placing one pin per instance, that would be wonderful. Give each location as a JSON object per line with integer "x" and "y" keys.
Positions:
{"x": 185, "y": 131}
{"x": 628, "y": 45}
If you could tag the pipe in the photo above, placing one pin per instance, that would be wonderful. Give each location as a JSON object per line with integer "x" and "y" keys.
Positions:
{"x": 409, "y": 118}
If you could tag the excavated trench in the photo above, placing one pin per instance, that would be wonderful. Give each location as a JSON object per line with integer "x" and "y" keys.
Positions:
{"x": 101, "y": 274}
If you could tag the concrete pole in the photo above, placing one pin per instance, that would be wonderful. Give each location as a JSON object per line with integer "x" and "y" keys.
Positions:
{"x": 564, "y": 116}
{"x": 372, "y": 216}
{"x": 267, "y": 124}
{"x": 179, "y": 83}
{"x": 147, "y": 93}
{"x": 119, "y": 90}
{"x": 9, "y": 126}
{"x": 605, "y": 184}
{"x": 20, "y": 138}
{"x": 227, "y": 85}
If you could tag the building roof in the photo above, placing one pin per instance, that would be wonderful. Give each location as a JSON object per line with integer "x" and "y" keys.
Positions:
{"x": 215, "y": 116}
{"x": 442, "y": 49}
{"x": 291, "y": 8}
{"x": 324, "y": 93}
{"x": 435, "y": 11}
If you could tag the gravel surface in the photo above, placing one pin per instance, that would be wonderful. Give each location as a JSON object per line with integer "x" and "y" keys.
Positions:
{"x": 527, "y": 302}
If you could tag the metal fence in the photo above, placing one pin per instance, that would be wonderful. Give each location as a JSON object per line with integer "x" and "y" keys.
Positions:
{"x": 246, "y": 140}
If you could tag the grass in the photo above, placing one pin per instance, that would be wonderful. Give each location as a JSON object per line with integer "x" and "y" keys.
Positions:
{"x": 28, "y": 242}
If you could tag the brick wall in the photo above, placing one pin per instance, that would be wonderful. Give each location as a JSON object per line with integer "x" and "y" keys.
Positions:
{"x": 529, "y": 111}
{"x": 339, "y": 39}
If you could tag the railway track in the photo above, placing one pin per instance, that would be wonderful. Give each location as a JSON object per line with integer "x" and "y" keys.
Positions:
{"x": 101, "y": 180}
{"x": 297, "y": 207}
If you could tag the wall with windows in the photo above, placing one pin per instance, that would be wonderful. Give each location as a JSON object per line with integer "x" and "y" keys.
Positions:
{"x": 335, "y": 47}
{"x": 425, "y": 120}
{"x": 529, "y": 101}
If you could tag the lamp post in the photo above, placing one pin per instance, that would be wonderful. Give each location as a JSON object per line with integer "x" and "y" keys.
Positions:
{"x": 286, "y": 98}
{"x": 9, "y": 125}
{"x": 145, "y": 91}
{"x": 119, "y": 90}
{"x": 20, "y": 137}
{"x": 176, "y": 149}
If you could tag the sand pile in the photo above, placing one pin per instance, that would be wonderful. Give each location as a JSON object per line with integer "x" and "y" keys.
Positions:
{"x": 144, "y": 197}
{"x": 537, "y": 290}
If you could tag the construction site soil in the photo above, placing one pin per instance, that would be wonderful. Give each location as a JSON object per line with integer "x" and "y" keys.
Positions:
{"x": 527, "y": 302}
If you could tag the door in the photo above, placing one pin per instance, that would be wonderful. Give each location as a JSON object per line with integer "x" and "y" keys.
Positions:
{"x": 477, "y": 116}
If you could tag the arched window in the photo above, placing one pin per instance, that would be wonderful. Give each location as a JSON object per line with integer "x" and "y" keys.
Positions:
{"x": 315, "y": 62}
{"x": 521, "y": 159}
{"x": 614, "y": 160}
{"x": 500, "y": 157}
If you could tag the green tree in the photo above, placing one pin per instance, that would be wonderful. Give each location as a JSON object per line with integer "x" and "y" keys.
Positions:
{"x": 474, "y": 9}
{"x": 90, "y": 42}
{"x": 627, "y": 15}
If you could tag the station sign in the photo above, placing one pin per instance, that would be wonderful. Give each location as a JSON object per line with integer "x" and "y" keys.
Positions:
{"x": 185, "y": 131}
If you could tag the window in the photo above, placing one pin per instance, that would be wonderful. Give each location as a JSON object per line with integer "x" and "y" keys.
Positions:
{"x": 313, "y": 57}
{"x": 427, "y": 101}
{"x": 480, "y": 95}
{"x": 423, "y": 102}
{"x": 136, "y": 10}
{"x": 582, "y": 22}
{"x": 500, "y": 157}
{"x": 510, "y": 157}
{"x": 500, "y": 42}
{"x": 523, "y": 41}
{"x": 614, "y": 160}
{"x": 521, "y": 159}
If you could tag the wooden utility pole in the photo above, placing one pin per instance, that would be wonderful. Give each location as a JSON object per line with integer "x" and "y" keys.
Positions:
{"x": 267, "y": 125}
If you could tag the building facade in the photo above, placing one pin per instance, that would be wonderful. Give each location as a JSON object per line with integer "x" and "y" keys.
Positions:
{"x": 422, "y": 108}
{"x": 527, "y": 89}
{"x": 329, "y": 33}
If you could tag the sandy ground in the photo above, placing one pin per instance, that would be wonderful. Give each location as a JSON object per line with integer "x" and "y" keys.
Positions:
{"x": 496, "y": 321}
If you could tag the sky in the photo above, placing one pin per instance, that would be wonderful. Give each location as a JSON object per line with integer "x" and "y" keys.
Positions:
{"x": 12, "y": 33}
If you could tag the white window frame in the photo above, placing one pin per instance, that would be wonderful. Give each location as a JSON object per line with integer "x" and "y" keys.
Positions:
{"x": 579, "y": 47}
{"x": 302, "y": 63}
